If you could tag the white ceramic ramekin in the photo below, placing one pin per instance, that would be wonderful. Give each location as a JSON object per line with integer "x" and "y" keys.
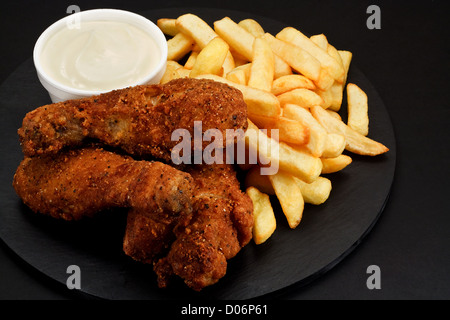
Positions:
{"x": 60, "y": 92}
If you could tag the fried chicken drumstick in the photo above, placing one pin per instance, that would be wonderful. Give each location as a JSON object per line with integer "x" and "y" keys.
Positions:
{"x": 220, "y": 226}
{"x": 82, "y": 182}
{"x": 140, "y": 119}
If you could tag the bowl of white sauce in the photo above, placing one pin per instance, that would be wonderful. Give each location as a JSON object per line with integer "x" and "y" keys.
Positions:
{"x": 100, "y": 50}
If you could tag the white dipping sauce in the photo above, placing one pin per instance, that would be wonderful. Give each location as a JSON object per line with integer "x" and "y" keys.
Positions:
{"x": 100, "y": 55}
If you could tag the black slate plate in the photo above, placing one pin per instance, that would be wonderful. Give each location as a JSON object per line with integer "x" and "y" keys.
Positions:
{"x": 326, "y": 235}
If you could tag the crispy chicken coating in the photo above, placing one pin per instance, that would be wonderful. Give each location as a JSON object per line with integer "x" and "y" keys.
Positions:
{"x": 220, "y": 226}
{"x": 82, "y": 182}
{"x": 140, "y": 119}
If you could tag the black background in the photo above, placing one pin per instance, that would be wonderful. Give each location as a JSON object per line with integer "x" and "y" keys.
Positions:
{"x": 407, "y": 61}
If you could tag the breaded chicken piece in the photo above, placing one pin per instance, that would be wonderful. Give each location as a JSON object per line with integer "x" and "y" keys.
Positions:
{"x": 185, "y": 223}
{"x": 139, "y": 120}
{"x": 218, "y": 229}
{"x": 79, "y": 183}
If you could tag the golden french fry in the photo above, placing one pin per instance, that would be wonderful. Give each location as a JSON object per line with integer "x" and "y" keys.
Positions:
{"x": 281, "y": 67}
{"x": 332, "y": 165}
{"x": 196, "y": 48}
{"x": 228, "y": 64}
{"x": 237, "y": 76}
{"x": 174, "y": 64}
{"x": 320, "y": 40}
{"x": 167, "y": 26}
{"x": 355, "y": 142}
{"x": 240, "y": 74}
{"x": 239, "y": 59}
{"x": 196, "y": 28}
{"x": 211, "y": 58}
{"x": 296, "y": 162}
{"x": 246, "y": 68}
{"x": 334, "y": 114}
{"x": 183, "y": 72}
{"x": 289, "y": 131}
{"x": 358, "y": 117}
{"x": 302, "y": 97}
{"x": 334, "y": 145}
{"x": 290, "y": 197}
{"x": 264, "y": 222}
{"x": 171, "y": 71}
{"x": 325, "y": 80}
{"x": 336, "y": 91}
{"x": 300, "y": 60}
{"x": 241, "y": 44}
{"x": 333, "y": 52}
{"x": 258, "y": 101}
{"x": 239, "y": 39}
{"x": 252, "y": 26}
{"x": 254, "y": 178}
{"x": 263, "y": 66}
{"x": 327, "y": 97}
{"x": 179, "y": 46}
{"x": 191, "y": 60}
{"x": 346, "y": 57}
{"x": 290, "y": 82}
{"x": 295, "y": 37}
{"x": 317, "y": 134}
{"x": 316, "y": 192}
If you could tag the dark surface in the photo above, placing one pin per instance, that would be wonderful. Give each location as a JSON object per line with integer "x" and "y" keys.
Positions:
{"x": 406, "y": 62}
{"x": 326, "y": 235}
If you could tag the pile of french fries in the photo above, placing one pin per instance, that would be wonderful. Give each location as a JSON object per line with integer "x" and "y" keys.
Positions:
{"x": 290, "y": 82}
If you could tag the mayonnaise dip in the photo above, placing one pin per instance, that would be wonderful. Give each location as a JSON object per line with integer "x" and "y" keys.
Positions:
{"x": 100, "y": 55}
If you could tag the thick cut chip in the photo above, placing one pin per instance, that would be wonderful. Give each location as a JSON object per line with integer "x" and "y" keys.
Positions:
{"x": 302, "y": 97}
{"x": 263, "y": 66}
{"x": 211, "y": 58}
{"x": 264, "y": 222}
{"x": 254, "y": 178}
{"x": 295, "y": 37}
{"x": 334, "y": 145}
{"x": 196, "y": 28}
{"x": 179, "y": 46}
{"x": 279, "y": 155}
{"x": 332, "y": 165}
{"x": 316, "y": 192}
{"x": 191, "y": 60}
{"x": 317, "y": 134}
{"x": 168, "y": 26}
{"x": 290, "y": 197}
{"x": 289, "y": 131}
{"x": 320, "y": 40}
{"x": 355, "y": 142}
{"x": 300, "y": 60}
{"x": 358, "y": 108}
{"x": 252, "y": 26}
{"x": 290, "y": 82}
